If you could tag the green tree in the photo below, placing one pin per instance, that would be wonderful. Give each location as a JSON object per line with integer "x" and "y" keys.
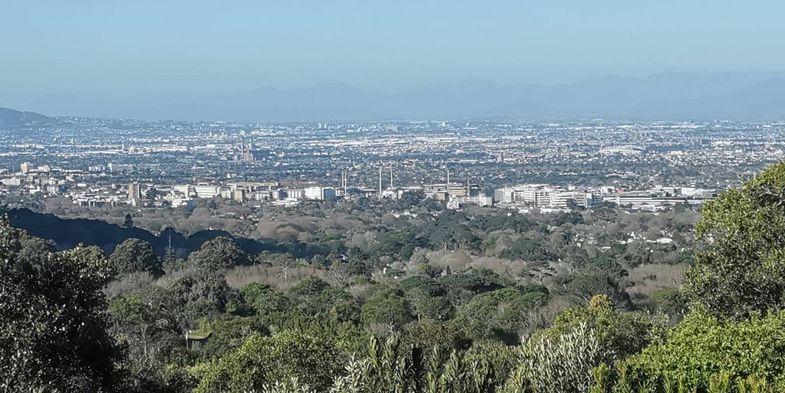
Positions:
{"x": 741, "y": 268}
{"x": 316, "y": 298}
{"x": 388, "y": 308}
{"x": 619, "y": 333}
{"x": 229, "y": 332}
{"x": 528, "y": 249}
{"x": 135, "y": 255}
{"x": 670, "y": 301}
{"x": 218, "y": 254}
{"x": 144, "y": 322}
{"x": 428, "y": 334}
{"x": 128, "y": 221}
{"x": 498, "y": 314}
{"x": 265, "y": 360}
{"x": 427, "y": 297}
{"x": 701, "y": 348}
{"x": 52, "y": 324}
{"x": 476, "y": 281}
{"x": 589, "y": 282}
{"x": 201, "y": 294}
{"x": 266, "y": 302}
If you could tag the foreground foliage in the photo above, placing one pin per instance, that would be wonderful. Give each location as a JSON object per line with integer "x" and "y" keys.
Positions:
{"x": 703, "y": 351}
{"x": 742, "y": 269}
{"x": 561, "y": 365}
{"x": 52, "y": 317}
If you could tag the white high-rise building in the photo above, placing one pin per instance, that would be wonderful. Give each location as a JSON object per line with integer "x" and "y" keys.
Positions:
{"x": 134, "y": 191}
{"x": 319, "y": 193}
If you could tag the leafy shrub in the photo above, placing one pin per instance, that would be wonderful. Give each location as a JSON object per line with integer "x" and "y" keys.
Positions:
{"x": 388, "y": 308}
{"x": 498, "y": 314}
{"x": 620, "y": 333}
{"x": 560, "y": 365}
{"x": 262, "y": 361}
{"x": 702, "y": 348}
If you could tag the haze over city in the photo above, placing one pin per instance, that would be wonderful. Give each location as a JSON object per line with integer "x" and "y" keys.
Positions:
{"x": 356, "y": 60}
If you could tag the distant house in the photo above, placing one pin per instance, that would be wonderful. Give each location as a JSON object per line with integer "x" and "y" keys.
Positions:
{"x": 196, "y": 339}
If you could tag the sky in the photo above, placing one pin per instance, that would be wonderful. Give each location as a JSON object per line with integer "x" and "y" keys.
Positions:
{"x": 160, "y": 48}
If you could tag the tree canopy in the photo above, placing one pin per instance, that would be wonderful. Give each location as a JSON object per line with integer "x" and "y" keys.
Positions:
{"x": 741, "y": 269}
{"x": 53, "y": 319}
{"x": 135, "y": 255}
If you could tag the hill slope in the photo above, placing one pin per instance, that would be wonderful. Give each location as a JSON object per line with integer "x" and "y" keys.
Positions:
{"x": 10, "y": 118}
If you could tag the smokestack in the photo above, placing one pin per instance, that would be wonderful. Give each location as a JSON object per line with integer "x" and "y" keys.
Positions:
{"x": 391, "y": 177}
{"x": 380, "y": 182}
{"x": 448, "y": 183}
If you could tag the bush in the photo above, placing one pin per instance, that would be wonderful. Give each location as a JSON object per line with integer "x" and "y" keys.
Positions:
{"x": 620, "y": 333}
{"x": 387, "y": 308}
{"x": 560, "y": 365}
{"x": 702, "y": 348}
{"x": 498, "y": 314}
{"x": 266, "y": 360}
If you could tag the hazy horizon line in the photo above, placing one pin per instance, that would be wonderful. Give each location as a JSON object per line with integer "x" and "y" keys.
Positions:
{"x": 671, "y": 91}
{"x": 374, "y": 88}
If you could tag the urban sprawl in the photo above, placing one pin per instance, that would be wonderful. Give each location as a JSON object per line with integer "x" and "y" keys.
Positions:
{"x": 518, "y": 164}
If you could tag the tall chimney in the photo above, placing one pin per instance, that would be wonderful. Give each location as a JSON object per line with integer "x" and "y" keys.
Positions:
{"x": 448, "y": 183}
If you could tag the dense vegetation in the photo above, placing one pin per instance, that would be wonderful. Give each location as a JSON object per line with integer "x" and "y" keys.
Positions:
{"x": 431, "y": 300}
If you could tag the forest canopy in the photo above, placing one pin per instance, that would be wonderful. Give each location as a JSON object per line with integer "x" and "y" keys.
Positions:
{"x": 413, "y": 297}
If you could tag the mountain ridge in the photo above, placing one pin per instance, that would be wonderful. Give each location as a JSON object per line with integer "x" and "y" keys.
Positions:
{"x": 742, "y": 96}
{"x": 11, "y": 118}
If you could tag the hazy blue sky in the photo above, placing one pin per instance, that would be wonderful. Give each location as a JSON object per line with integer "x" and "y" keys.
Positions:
{"x": 174, "y": 47}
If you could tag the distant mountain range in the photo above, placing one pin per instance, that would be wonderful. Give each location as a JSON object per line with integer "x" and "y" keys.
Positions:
{"x": 10, "y": 118}
{"x": 750, "y": 96}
